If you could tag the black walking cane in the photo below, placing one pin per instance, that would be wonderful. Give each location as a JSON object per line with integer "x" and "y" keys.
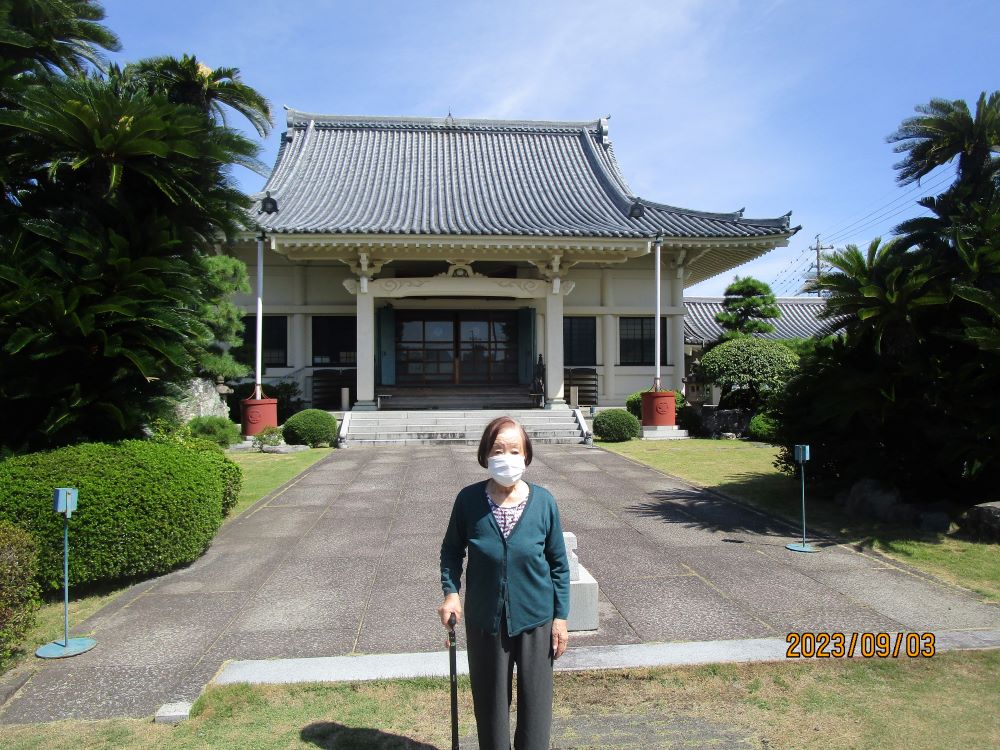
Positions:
{"x": 453, "y": 664}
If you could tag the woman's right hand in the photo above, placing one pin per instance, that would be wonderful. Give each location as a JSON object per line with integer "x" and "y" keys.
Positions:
{"x": 452, "y": 604}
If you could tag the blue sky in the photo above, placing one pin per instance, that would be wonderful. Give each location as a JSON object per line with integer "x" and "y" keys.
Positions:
{"x": 770, "y": 105}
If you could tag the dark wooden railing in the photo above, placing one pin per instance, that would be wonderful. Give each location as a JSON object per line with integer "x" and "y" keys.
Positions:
{"x": 585, "y": 378}
{"x": 326, "y": 385}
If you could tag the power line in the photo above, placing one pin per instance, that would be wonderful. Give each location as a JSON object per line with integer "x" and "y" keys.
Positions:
{"x": 787, "y": 267}
{"x": 873, "y": 216}
{"x": 869, "y": 226}
{"x": 936, "y": 181}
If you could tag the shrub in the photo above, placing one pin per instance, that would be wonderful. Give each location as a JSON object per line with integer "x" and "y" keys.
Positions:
{"x": 616, "y": 425}
{"x": 310, "y": 427}
{"x": 750, "y": 371}
{"x": 231, "y": 473}
{"x": 634, "y": 403}
{"x": 763, "y": 428}
{"x": 19, "y": 593}
{"x": 145, "y": 507}
{"x": 217, "y": 429}
{"x": 267, "y": 436}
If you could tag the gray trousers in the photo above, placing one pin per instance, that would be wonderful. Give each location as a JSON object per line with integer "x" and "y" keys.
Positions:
{"x": 491, "y": 672}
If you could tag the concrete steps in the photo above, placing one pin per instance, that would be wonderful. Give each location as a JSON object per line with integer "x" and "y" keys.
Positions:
{"x": 459, "y": 427}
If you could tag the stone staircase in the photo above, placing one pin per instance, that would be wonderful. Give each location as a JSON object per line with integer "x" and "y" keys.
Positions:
{"x": 456, "y": 427}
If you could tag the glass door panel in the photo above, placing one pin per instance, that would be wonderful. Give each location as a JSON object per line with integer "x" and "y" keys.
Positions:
{"x": 431, "y": 344}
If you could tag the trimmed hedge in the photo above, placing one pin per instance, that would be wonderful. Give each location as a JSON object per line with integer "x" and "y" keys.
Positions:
{"x": 145, "y": 507}
{"x": 634, "y": 403}
{"x": 616, "y": 425}
{"x": 217, "y": 429}
{"x": 231, "y": 473}
{"x": 310, "y": 427}
{"x": 19, "y": 593}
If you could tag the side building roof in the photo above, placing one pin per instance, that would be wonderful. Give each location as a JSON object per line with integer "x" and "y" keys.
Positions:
{"x": 798, "y": 319}
{"x": 445, "y": 176}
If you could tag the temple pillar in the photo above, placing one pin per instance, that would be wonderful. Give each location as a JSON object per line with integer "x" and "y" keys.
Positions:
{"x": 675, "y": 328}
{"x": 297, "y": 358}
{"x": 554, "y": 397}
{"x": 366, "y": 351}
{"x": 609, "y": 354}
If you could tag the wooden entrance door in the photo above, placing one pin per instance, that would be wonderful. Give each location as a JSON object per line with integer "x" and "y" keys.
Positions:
{"x": 456, "y": 347}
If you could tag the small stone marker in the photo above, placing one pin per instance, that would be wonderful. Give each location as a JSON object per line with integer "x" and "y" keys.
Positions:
{"x": 172, "y": 713}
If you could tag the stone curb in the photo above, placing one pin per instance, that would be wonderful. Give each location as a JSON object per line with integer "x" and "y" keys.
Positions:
{"x": 435, "y": 664}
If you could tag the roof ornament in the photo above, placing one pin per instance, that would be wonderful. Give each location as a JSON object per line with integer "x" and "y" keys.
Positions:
{"x": 602, "y": 130}
{"x": 740, "y": 212}
{"x": 636, "y": 210}
{"x": 268, "y": 205}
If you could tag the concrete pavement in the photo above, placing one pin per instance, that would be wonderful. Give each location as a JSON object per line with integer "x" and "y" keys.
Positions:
{"x": 344, "y": 560}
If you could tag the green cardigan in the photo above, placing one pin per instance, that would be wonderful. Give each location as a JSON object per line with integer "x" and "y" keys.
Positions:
{"x": 528, "y": 571}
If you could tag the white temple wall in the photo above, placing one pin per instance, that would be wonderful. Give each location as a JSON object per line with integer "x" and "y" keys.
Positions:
{"x": 299, "y": 291}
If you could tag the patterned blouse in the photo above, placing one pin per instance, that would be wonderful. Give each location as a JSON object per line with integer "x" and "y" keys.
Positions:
{"x": 507, "y": 516}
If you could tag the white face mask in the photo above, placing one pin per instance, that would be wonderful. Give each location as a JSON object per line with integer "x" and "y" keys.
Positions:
{"x": 506, "y": 468}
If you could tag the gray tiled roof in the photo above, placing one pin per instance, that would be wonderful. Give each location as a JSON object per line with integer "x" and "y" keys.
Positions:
{"x": 798, "y": 319}
{"x": 407, "y": 175}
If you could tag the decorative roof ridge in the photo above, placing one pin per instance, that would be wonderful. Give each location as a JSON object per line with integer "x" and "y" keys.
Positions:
{"x": 622, "y": 199}
{"x": 737, "y": 216}
{"x": 297, "y": 118}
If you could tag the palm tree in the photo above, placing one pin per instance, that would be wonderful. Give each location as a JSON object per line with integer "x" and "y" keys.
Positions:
{"x": 877, "y": 292}
{"x": 105, "y": 293}
{"x": 187, "y": 81}
{"x": 945, "y": 130}
{"x": 43, "y": 35}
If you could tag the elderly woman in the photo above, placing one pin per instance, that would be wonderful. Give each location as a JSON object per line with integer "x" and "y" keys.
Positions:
{"x": 517, "y": 590}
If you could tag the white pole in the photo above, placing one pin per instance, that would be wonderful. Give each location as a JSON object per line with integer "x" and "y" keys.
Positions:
{"x": 656, "y": 322}
{"x": 258, "y": 393}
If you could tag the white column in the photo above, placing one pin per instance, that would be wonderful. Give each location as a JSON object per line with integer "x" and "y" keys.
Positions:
{"x": 299, "y": 285}
{"x": 297, "y": 356}
{"x": 554, "y": 398}
{"x": 675, "y": 328}
{"x": 609, "y": 353}
{"x": 366, "y": 351}
{"x": 607, "y": 288}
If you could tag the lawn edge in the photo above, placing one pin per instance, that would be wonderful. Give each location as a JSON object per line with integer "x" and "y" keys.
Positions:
{"x": 865, "y": 551}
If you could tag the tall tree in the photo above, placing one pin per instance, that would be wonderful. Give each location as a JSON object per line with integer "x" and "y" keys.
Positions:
{"x": 115, "y": 199}
{"x": 945, "y": 130}
{"x": 746, "y": 308}
{"x": 40, "y": 36}
{"x": 908, "y": 393}
{"x": 875, "y": 293}
{"x": 188, "y": 81}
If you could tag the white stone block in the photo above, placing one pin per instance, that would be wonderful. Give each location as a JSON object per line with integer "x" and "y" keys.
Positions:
{"x": 574, "y": 562}
{"x": 582, "y": 602}
{"x": 172, "y": 713}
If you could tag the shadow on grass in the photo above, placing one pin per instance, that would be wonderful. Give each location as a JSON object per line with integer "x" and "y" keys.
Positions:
{"x": 776, "y": 499}
{"x": 781, "y": 496}
{"x": 330, "y": 734}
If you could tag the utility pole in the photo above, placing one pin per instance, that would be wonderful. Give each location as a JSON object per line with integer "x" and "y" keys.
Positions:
{"x": 819, "y": 263}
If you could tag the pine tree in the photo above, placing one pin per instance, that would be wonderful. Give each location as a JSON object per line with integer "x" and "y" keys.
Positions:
{"x": 747, "y": 306}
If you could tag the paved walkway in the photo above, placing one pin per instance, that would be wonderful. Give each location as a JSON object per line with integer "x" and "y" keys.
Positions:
{"x": 345, "y": 561}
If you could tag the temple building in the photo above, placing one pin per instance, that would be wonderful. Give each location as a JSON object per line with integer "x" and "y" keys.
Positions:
{"x": 416, "y": 260}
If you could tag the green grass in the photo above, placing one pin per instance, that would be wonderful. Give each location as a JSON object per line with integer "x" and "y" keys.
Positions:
{"x": 745, "y": 471}
{"x": 945, "y": 701}
{"x": 262, "y": 474}
{"x": 265, "y": 472}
